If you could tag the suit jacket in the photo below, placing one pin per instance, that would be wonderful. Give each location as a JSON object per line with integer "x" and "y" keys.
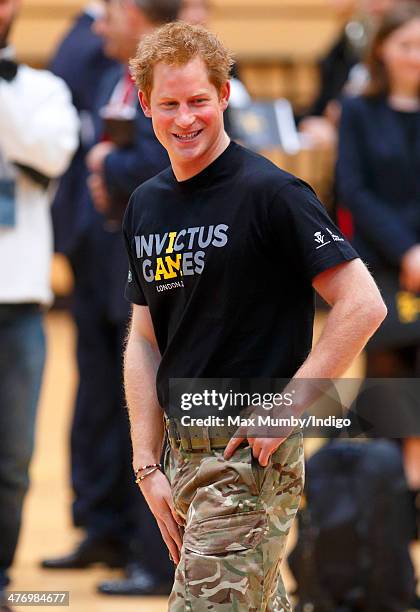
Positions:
{"x": 81, "y": 63}
{"x": 96, "y": 249}
{"x": 378, "y": 179}
{"x": 125, "y": 168}
{"x": 129, "y": 166}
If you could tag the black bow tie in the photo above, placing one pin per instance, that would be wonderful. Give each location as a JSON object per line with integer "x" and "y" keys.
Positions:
{"x": 8, "y": 69}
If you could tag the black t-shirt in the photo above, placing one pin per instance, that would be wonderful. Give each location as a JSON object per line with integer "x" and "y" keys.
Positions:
{"x": 225, "y": 261}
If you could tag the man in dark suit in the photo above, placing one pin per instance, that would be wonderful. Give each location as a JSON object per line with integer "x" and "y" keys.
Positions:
{"x": 118, "y": 524}
{"x": 81, "y": 62}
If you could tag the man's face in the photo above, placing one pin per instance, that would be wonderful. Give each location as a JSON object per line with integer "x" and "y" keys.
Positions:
{"x": 120, "y": 27}
{"x": 8, "y": 11}
{"x": 187, "y": 113}
{"x": 196, "y": 12}
{"x": 378, "y": 8}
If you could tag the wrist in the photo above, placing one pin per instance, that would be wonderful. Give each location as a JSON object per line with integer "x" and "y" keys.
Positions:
{"x": 140, "y": 461}
{"x": 146, "y": 470}
{"x": 147, "y": 475}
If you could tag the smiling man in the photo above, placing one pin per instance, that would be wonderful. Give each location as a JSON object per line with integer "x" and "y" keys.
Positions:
{"x": 225, "y": 250}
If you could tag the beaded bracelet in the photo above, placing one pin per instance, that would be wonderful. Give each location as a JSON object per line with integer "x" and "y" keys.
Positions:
{"x": 144, "y": 467}
{"x": 152, "y": 467}
{"x": 139, "y": 479}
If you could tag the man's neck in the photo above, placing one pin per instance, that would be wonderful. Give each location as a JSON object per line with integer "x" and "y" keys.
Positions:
{"x": 183, "y": 172}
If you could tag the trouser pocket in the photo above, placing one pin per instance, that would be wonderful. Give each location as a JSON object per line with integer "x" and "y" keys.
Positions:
{"x": 223, "y": 534}
{"x": 223, "y": 563}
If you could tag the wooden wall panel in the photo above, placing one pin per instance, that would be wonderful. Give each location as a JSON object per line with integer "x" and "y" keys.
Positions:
{"x": 270, "y": 28}
{"x": 276, "y": 42}
{"x": 269, "y": 38}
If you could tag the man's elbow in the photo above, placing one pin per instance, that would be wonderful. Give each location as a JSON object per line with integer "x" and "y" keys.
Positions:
{"x": 374, "y": 311}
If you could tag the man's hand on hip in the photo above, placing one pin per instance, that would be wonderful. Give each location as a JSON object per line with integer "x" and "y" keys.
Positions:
{"x": 262, "y": 448}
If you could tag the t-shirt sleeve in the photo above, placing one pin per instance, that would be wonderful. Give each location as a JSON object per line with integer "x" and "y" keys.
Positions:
{"x": 133, "y": 291}
{"x": 319, "y": 243}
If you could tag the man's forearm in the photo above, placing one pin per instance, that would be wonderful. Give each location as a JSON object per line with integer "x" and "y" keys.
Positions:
{"x": 349, "y": 326}
{"x": 347, "y": 330}
{"x": 146, "y": 416}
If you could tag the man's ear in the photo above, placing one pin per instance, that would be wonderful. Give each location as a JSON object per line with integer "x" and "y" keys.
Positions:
{"x": 224, "y": 95}
{"x": 145, "y": 105}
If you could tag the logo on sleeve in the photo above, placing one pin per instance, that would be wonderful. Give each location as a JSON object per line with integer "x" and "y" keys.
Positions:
{"x": 334, "y": 236}
{"x": 319, "y": 238}
{"x": 130, "y": 276}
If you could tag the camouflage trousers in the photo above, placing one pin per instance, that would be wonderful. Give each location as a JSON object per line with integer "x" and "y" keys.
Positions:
{"x": 237, "y": 519}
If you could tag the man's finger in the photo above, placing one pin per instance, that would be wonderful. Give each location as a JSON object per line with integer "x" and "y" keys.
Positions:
{"x": 172, "y": 547}
{"x": 232, "y": 446}
{"x": 256, "y": 449}
{"x": 175, "y": 533}
{"x": 264, "y": 457}
{"x": 266, "y": 452}
{"x": 180, "y": 521}
{"x": 173, "y": 528}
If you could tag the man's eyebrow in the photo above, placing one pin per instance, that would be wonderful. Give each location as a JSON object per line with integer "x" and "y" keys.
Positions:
{"x": 200, "y": 94}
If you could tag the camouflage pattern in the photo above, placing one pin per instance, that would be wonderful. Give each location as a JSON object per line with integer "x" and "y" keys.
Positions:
{"x": 237, "y": 519}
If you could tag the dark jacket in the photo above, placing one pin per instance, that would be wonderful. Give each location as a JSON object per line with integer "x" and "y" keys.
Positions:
{"x": 81, "y": 63}
{"x": 378, "y": 179}
{"x": 127, "y": 167}
{"x": 334, "y": 70}
{"x": 94, "y": 246}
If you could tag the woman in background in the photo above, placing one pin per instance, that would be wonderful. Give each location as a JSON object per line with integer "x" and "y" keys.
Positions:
{"x": 378, "y": 188}
{"x": 341, "y": 70}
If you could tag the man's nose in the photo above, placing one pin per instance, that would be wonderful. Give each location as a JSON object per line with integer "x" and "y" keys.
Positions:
{"x": 185, "y": 118}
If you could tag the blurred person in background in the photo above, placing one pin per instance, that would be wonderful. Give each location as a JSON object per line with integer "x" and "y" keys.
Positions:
{"x": 345, "y": 53}
{"x": 198, "y": 12}
{"x": 342, "y": 68}
{"x": 119, "y": 526}
{"x": 378, "y": 184}
{"x": 81, "y": 62}
{"x": 38, "y": 136}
